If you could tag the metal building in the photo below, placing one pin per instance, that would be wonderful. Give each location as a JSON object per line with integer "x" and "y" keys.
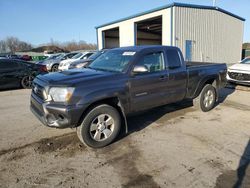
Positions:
{"x": 204, "y": 33}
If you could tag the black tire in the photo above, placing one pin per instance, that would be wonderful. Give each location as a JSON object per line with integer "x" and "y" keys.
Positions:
{"x": 206, "y": 104}
{"x": 26, "y": 81}
{"x": 85, "y": 134}
{"x": 54, "y": 68}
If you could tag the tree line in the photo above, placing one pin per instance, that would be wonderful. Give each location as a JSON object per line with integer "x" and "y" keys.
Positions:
{"x": 13, "y": 44}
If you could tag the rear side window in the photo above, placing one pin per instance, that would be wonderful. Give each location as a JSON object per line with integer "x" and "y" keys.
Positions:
{"x": 173, "y": 59}
{"x": 8, "y": 65}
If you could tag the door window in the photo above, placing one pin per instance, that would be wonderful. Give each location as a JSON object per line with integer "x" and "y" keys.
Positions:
{"x": 8, "y": 65}
{"x": 154, "y": 62}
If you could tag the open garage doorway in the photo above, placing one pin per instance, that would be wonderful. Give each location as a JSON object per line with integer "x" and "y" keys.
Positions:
{"x": 111, "y": 38}
{"x": 149, "y": 32}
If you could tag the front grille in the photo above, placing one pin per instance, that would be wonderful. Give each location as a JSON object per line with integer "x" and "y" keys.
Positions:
{"x": 239, "y": 76}
{"x": 38, "y": 90}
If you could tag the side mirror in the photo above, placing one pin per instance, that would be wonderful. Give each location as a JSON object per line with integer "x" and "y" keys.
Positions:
{"x": 140, "y": 69}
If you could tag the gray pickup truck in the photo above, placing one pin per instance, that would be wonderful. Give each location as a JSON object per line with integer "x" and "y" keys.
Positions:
{"x": 97, "y": 99}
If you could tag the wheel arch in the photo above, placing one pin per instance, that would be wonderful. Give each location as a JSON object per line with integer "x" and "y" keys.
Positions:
{"x": 214, "y": 80}
{"x": 112, "y": 101}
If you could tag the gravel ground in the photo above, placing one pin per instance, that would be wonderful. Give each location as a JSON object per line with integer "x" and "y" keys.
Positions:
{"x": 170, "y": 146}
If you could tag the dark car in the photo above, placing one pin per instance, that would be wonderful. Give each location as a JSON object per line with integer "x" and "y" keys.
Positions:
{"x": 26, "y": 58}
{"x": 97, "y": 99}
{"x": 85, "y": 62}
{"x": 16, "y": 73}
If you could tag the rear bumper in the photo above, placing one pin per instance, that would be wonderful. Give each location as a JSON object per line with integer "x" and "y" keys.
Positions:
{"x": 54, "y": 115}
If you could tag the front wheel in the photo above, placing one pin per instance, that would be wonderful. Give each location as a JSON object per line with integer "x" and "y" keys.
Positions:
{"x": 26, "y": 81}
{"x": 54, "y": 68}
{"x": 100, "y": 126}
{"x": 207, "y": 98}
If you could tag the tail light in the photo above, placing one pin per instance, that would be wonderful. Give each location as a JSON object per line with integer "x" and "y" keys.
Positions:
{"x": 43, "y": 68}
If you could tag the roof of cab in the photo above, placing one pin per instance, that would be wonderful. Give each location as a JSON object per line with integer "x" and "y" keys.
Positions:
{"x": 143, "y": 47}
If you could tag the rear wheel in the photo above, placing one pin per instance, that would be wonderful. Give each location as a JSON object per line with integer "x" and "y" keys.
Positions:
{"x": 54, "y": 68}
{"x": 26, "y": 81}
{"x": 100, "y": 126}
{"x": 206, "y": 100}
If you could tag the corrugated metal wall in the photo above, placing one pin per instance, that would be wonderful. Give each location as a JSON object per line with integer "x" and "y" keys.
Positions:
{"x": 216, "y": 37}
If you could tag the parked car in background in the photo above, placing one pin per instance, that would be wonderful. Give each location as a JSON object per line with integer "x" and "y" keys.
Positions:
{"x": 240, "y": 72}
{"x": 64, "y": 65}
{"x": 122, "y": 81}
{"x": 85, "y": 62}
{"x": 26, "y": 58}
{"x": 16, "y": 73}
{"x": 53, "y": 61}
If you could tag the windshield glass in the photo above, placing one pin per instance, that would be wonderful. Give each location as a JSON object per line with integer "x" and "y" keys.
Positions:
{"x": 246, "y": 61}
{"x": 53, "y": 56}
{"x": 96, "y": 55}
{"x": 77, "y": 56}
{"x": 60, "y": 56}
{"x": 115, "y": 61}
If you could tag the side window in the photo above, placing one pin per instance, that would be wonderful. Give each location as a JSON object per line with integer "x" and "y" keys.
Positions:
{"x": 154, "y": 62}
{"x": 173, "y": 59}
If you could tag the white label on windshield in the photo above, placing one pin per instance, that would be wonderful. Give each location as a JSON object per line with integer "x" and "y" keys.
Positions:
{"x": 129, "y": 53}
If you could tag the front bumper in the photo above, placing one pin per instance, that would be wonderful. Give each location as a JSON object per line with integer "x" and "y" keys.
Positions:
{"x": 240, "y": 82}
{"x": 55, "y": 115}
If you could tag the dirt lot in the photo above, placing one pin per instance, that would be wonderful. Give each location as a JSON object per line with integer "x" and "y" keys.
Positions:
{"x": 170, "y": 146}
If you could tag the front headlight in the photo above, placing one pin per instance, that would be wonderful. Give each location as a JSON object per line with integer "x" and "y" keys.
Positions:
{"x": 60, "y": 94}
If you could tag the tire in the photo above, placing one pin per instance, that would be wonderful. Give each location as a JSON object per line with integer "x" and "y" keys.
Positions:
{"x": 206, "y": 99}
{"x": 26, "y": 81}
{"x": 54, "y": 68}
{"x": 100, "y": 126}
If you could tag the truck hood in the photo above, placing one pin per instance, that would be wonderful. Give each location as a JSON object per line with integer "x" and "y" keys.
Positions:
{"x": 240, "y": 67}
{"x": 74, "y": 76}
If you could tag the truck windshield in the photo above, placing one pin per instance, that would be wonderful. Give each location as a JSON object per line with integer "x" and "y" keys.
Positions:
{"x": 246, "y": 61}
{"x": 114, "y": 61}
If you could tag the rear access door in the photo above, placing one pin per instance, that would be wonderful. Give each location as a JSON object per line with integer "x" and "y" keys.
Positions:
{"x": 177, "y": 80}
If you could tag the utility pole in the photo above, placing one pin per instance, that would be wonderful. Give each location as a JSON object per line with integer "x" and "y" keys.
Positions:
{"x": 214, "y": 3}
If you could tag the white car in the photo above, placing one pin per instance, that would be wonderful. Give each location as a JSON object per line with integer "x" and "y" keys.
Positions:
{"x": 240, "y": 73}
{"x": 64, "y": 65}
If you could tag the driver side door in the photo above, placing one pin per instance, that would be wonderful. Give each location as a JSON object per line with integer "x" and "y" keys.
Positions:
{"x": 147, "y": 89}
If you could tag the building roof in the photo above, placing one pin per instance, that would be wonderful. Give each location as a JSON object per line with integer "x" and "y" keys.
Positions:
{"x": 175, "y": 5}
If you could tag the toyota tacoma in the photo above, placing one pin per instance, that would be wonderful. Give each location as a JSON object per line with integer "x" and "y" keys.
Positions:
{"x": 96, "y": 100}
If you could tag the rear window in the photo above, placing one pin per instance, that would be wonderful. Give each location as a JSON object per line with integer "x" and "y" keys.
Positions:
{"x": 173, "y": 59}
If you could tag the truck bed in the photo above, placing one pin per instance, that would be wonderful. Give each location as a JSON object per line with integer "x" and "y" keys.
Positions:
{"x": 200, "y": 71}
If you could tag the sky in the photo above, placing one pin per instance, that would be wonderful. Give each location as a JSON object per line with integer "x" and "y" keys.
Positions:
{"x": 40, "y": 21}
